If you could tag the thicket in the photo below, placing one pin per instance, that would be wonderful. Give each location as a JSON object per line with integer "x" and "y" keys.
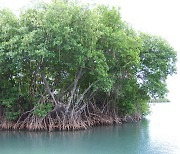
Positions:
{"x": 67, "y": 66}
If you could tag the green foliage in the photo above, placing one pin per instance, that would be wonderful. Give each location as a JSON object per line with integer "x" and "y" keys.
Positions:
{"x": 11, "y": 108}
{"x": 11, "y": 115}
{"x": 42, "y": 110}
{"x": 158, "y": 60}
{"x": 59, "y": 39}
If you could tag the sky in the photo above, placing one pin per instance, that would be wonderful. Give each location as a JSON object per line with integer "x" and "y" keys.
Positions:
{"x": 158, "y": 17}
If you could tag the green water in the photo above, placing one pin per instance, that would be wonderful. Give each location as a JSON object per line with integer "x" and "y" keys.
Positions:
{"x": 157, "y": 134}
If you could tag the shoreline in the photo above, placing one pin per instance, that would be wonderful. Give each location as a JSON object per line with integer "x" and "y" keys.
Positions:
{"x": 80, "y": 125}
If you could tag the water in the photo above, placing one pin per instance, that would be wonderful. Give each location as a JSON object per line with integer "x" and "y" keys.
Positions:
{"x": 157, "y": 134}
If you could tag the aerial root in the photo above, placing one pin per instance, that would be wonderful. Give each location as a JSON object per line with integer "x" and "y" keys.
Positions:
{"x": 83, "y": 120}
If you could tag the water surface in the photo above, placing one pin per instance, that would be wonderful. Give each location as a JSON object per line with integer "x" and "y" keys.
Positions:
{"x": 157, "y": 134}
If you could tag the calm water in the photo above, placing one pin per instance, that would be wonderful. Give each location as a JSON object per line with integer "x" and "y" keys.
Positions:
{"x": 159, "y": 133}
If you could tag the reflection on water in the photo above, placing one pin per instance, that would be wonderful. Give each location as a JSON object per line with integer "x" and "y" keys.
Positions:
{"x": 157, "y": 134}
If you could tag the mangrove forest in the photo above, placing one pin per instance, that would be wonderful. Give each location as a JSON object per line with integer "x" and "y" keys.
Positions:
{"x": 68, "y": 66}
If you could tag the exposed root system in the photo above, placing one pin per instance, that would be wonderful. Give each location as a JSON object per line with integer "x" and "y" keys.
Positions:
{"x": 57, "y": 120}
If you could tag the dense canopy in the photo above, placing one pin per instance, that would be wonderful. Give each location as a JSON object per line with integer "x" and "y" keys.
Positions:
{"x": 68, "y": 66}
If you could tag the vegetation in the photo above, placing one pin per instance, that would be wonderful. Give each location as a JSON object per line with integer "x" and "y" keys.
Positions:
{"x": 64, "y": 66}
{"x": 160, "y": 100}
